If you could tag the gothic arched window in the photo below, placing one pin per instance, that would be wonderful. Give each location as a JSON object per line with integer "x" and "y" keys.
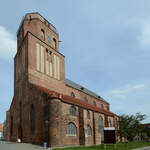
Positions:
{"x": 32, "y": 118}
{"x": 89, "y": 130}
{"x": 72, "y": 95}
{"x": 100, "y": 127}
{"x": 88, "y": 114}
{"x": 71, "y": 129}
{"x": 100, "y": 123}
{"x": 73, "y": 111}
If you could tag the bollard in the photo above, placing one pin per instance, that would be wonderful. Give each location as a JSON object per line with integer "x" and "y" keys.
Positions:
{"x": 45, "y": 145}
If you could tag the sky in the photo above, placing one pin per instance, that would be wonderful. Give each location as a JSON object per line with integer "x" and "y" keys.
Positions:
{"x": 106, "y": 44}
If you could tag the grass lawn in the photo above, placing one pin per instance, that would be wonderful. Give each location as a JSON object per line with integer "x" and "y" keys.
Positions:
{"x": 120, "y": 146}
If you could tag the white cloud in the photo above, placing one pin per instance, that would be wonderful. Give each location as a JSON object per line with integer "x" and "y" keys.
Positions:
{"x": 144, "y": 37}
{"x": 8, "y": 44}
{"x": 130, "y": 99}
{"x": 123, "y": 92}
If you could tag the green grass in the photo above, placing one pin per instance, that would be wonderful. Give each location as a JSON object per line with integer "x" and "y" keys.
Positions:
{"x": 120, "y": 146}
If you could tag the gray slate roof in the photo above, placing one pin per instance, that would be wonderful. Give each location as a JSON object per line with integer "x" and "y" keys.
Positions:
{"x": 83, "y": 89}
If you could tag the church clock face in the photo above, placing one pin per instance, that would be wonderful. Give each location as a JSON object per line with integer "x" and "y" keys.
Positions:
{"x": 49, "y": 38}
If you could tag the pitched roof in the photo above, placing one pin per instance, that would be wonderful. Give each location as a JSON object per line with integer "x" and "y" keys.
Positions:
{"x": 83, "y": 89}
{"x": 74, "y": 101}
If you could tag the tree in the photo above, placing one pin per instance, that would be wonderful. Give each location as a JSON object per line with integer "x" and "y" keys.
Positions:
{"x": 129, "y": 125}
{"x": 4, "y": 130}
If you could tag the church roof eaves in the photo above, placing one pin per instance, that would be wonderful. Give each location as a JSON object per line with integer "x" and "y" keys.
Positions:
{"x": 75, "y": 101}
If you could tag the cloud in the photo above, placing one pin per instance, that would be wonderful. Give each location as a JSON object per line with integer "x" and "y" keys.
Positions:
{"x": 144, "y": 37}
{"x": 130, "y": 99}
{"x": 8, "y": 44}
{"x": 127, "y": 89}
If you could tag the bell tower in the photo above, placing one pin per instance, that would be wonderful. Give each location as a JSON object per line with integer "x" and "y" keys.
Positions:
{"x": 38, "y": 44}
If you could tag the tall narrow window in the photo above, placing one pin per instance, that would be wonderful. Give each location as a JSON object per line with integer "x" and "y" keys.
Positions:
{"x": 110, "y": 123}
{"x": 11, "y": 127}
{"x": 23, "y": 58}
{"x": 32, "y": 118}
{"x": 100, "y": 127}
{"x": 88, "y": 114}
{"x": 39, "y": 57}
{"x": 73, "y": 111}
{"x": 71, "y": 129}
{"x": 49, "y": 70}
{"x": 85, "y": 99}
{"x": 54, "y": 43}
{"x": 89, "y": 130}
{"x": 56, "y": 67}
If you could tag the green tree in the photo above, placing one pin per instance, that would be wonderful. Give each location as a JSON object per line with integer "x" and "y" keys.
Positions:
{"x": 129, "y": 125}
{"x": 4, "y": 130}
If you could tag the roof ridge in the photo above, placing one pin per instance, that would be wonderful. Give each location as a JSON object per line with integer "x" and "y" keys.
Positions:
{"x": 83, "y": 89}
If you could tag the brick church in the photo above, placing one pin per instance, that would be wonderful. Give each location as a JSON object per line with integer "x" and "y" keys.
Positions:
{"x": 46, "y": 106}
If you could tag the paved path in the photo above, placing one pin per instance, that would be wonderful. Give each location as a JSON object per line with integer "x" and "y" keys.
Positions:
{"x": 19, "y": 146}
{"x": 144, "y": 148}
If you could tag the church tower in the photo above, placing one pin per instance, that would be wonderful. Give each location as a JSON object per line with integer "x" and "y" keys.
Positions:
{"x": 38, "y": 54}
{"x": 37, "y": 62}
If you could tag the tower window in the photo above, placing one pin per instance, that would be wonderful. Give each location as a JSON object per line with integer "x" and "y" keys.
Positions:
{"x": 49, "y": 70}
{"x": 56, "y": 67}
{"x": 49, "y": 38}
{"x": 54, "y": 43}
{"x": 42, "y": 34}
{"x": 40, "y": 57}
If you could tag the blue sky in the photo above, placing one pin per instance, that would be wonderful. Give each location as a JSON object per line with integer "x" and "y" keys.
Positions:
{"x": 106, "y": 44}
